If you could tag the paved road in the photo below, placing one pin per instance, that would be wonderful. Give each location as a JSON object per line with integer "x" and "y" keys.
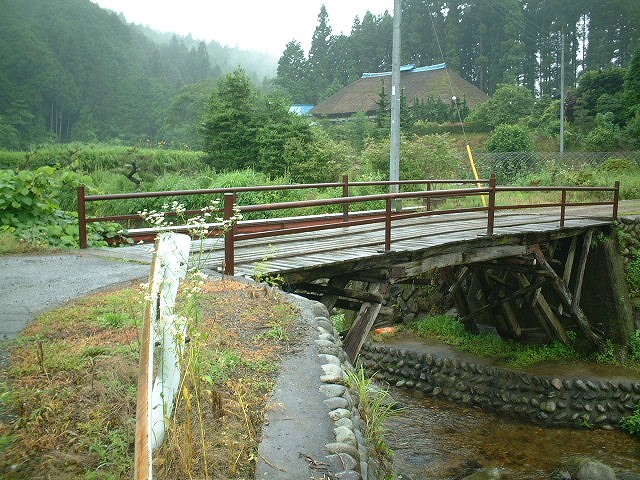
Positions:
{"x": 32, "y": 284}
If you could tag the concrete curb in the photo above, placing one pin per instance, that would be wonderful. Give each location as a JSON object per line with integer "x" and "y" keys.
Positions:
{"x": 313, "y": 428}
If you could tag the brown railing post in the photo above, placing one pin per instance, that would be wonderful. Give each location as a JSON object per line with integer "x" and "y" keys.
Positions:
{"x": 563, "y": 206}
{"x": 429, "y": 197}
{"x": 82, "y": 218}
{"x": 229, "y": 234}
{"x": 616, "y": 200}
{"x": 387, "y": 224}
{"x": 345, "y": 194}
{"x": 491, "y": 213}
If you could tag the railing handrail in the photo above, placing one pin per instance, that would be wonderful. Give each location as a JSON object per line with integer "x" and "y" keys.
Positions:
{"x": 264, "y": 188}
{"x": 345, "y": 184}
{"x": 387, "y": 215}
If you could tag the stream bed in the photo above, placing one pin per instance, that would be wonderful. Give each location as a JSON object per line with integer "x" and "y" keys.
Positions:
{"x": 437, "y": 440}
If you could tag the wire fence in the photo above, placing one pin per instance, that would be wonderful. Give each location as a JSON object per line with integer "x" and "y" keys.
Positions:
{"x": 508, "y": 165}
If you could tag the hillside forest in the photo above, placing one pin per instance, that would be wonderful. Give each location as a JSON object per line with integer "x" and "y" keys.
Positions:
{"x": 86, "y": 98}
{"x": 71, "y": 71}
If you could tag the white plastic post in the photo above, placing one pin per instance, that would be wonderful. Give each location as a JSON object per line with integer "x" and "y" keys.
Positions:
{"x": 156, "y": 397}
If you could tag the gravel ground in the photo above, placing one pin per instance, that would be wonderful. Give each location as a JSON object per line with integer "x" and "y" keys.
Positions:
{"x": 32, "y": 284}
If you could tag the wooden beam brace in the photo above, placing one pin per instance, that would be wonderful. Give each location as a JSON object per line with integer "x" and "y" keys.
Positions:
{"x": 568, "y": 265}
{"x": 577, "y": 313}
{"x": 402, "y": 271}
{"x": 329, "y": 301}
{"x": 336, "y": 291}
{"x": 364, "y": 321}
{"x": 544, "y": 313}
{"x": 460, "y": 298}
{"x": 577, "y": 292}
{"x": 486, "y": 295}
{"x": 518, "y": 293}
{"x": 461, "y": 274}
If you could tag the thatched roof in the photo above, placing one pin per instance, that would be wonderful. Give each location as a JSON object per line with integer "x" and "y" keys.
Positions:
{"x": 363, "y": 94}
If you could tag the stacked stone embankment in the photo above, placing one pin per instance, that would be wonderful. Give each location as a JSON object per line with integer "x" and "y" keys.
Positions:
{"x": 348, "y": 453}
{"x": 630, "y": 241}
{"x": 542, "y": 399}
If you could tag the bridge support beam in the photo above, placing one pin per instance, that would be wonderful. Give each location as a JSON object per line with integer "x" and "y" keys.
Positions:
{"x": 364, "y": 321}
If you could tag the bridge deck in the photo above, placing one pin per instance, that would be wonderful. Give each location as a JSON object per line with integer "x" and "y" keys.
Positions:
{"x": 289, "y": 253}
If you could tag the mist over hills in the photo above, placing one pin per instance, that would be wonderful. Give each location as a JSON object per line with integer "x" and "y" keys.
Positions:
{"x": 70, "y": 70}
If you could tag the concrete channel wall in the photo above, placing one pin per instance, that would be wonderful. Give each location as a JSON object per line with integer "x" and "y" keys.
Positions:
{"x": 541, "y": 399}
{"x": 313, "y": 426}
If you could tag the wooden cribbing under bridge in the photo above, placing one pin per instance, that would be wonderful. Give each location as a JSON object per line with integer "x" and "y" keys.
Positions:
{"x": 352, "y": 259}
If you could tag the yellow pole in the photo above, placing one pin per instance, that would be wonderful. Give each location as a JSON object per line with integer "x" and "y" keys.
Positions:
{"x": 475, "y": 174}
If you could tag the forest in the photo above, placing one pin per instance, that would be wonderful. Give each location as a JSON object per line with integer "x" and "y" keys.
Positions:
{"x": 488, "y": 42}
{"x": 71, "y": 71}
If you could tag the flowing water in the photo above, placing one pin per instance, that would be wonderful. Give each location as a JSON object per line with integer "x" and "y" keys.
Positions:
{"x": 436, "y": 440}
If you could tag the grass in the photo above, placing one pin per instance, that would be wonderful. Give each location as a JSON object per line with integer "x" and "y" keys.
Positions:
{"x": 71, "y": 386}
{"x": 9, "y": 244}
{"x": 375, "y": 406}
{"x": 451, "y": 331}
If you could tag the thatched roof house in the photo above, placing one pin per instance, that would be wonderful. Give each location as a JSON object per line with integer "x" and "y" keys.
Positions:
{"x": 422, "y": 82}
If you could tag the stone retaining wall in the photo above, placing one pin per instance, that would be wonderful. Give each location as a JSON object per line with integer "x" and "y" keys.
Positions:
{"x": 547, "y": 400}
{"x": 631, "y": 241}
{"x": 348, "y": 453}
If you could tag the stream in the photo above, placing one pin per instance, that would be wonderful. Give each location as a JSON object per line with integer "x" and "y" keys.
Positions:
{"x": 437, "y": 440}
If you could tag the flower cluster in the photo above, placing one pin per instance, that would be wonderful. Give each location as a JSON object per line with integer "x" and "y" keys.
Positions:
{"x": 198, "y": 226}
{"x": 154, "y": 218}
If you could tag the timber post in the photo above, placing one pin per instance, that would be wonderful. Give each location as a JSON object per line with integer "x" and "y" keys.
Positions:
{"x": 429, "y": 197}
{"x": 563, "y": 206}
{"x": 229, "y": 234}
{"x": 616, "y": 199}
{"x": 82, "y": 218}
{"x": 387, "y": 224}
{"x": 345, "y": 194}
{"x": 491, "y": 212}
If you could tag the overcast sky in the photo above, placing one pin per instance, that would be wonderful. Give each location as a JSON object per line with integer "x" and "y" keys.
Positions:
{"x": 249, "y": 24}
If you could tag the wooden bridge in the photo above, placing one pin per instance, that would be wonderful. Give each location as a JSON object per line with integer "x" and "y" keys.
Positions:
{"x": 497, "y": 252}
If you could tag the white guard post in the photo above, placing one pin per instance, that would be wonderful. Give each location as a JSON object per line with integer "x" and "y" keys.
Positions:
{"x": 169, "y": 331}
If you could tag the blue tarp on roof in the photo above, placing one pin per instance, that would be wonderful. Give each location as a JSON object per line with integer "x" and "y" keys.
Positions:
{"x": 438, "y": 66}
{"x": 407, "y": 68}
{"x": 300, "y": 109}
{"x": 403, "y": 68}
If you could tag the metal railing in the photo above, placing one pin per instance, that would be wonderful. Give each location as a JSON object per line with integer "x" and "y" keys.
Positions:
{"x": 242, "y": 230}
{"x": 345, "y": 186}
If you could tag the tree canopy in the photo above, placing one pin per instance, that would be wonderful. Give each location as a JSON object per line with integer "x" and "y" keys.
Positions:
{"x": 489, "y": 42}
{"x": 70, "y": 70}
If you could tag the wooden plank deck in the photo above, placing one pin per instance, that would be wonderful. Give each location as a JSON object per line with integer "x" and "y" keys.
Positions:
{"x": 290, "y": 253}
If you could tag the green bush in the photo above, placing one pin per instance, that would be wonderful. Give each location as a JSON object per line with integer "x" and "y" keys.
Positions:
{"x": 509, "y": 138}
{"x": 430, "y": 156}
{"x": 11, "y": 159}
{"x": 632, "y": 272}
{"x": 31, "y": 211}
{"x": 25, "y": 196}
{"x": 634, "y": 346}
{"x": 632, "y": 424}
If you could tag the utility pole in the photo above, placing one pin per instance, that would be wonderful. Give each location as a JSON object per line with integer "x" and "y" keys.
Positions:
{"x": 394, "y": 156}
{"x": 562, "y": 90}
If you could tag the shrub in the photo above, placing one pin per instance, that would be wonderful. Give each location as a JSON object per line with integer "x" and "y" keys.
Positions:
{"x": 509, "y": 138}
{"x": 30, "y": 209}
{"x": 632, "y": 424}
{"x": 634, "y": 346}
{"x": 508, "y": 104}
{"x": 429, "y": 156}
